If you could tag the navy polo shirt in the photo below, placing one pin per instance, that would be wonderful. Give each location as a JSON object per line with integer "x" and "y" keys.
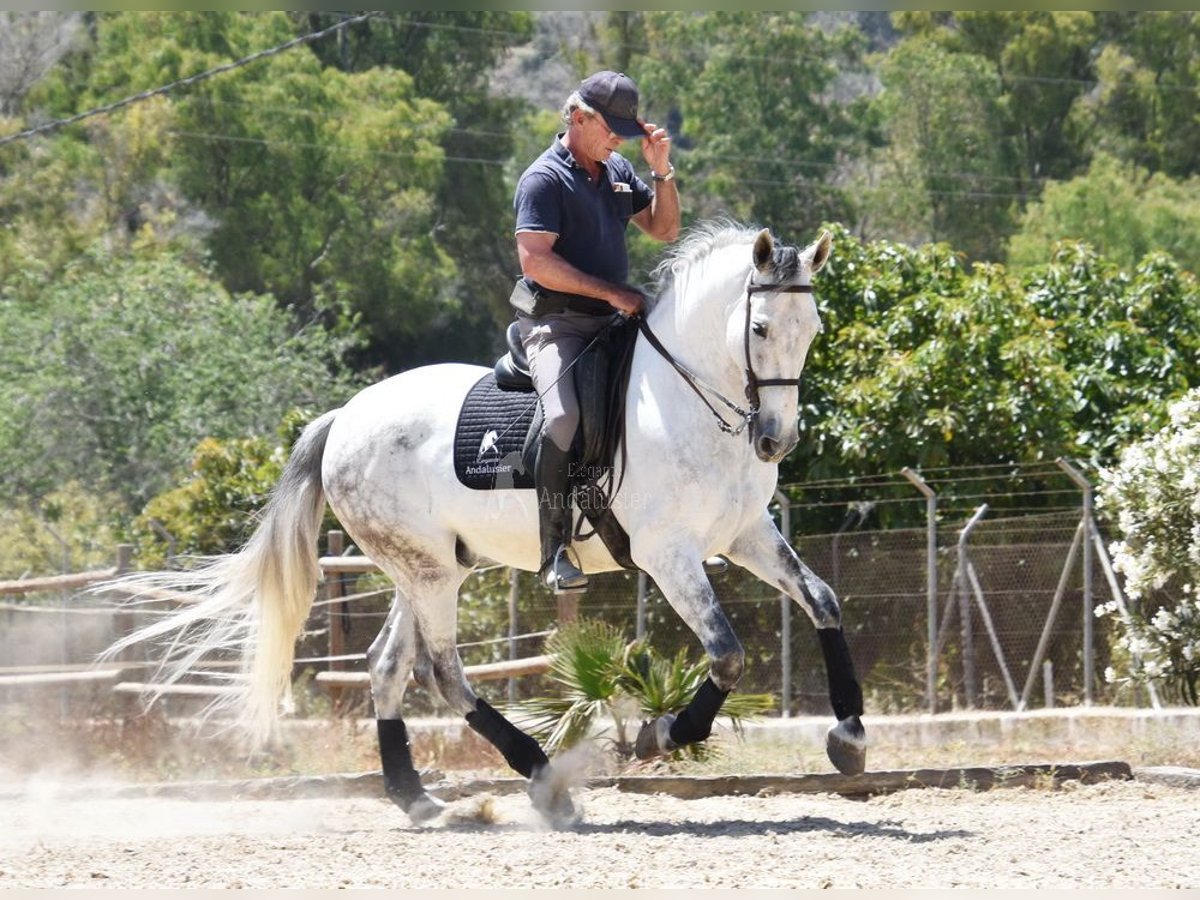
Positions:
{"x": 554, "y": 195}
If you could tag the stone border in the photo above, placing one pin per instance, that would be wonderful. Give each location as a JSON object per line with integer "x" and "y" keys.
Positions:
{"x": 370, "y": 784}
{"x": 1174, "y": 776}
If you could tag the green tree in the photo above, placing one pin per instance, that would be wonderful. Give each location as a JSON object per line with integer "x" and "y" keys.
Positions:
{"x": 940, "y": 170}
{"x": 1130, "y": 340}
{"x": 765, "y": 117}
{"x": 925, "y": 363}
{"x": 213, "y": 509}
{"x": 1043, "y": 63}
{"x": 1146, "y": 106}
{"x": 1123, "y": 211}
{"x": 72, "y": 528}
{"x": 1045, "y": 67}
{"x": 120, "y": 366}
{"x": 320, "y": 184}
{"x": 450, "y": 57}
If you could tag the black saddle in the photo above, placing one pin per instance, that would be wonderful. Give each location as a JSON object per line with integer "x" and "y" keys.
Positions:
{"x": 512, "y": 369}
{"x": 600, "y": 375}
{"x": 503, "y": 405}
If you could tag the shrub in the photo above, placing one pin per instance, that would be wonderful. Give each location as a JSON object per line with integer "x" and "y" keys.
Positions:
{"x": 599, "y": 673}
{"x": 1154, "y": 495}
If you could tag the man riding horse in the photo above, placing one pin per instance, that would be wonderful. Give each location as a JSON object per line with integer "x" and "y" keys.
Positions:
{"x": 573, "y": 205}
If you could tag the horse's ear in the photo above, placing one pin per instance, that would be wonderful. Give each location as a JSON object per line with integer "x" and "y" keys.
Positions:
{"x": 764, "y": 250}
{"x": 819, "y": 251}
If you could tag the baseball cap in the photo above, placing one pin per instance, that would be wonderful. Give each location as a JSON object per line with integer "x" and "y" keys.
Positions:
{"x": 615, "y": 97}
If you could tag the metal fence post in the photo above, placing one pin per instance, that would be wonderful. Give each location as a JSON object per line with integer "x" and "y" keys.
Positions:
{"x": 1123, "y": 608}
{"x": 1059, "y": 592}
{"x": 1089, "y": 616}
{"x": 931, "y": 659}
{"x": 785, "y": 615}
{"x": 964, "y": 608}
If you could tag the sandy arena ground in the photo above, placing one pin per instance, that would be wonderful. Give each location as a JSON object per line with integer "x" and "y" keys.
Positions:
{"x": 1110, "y": 835}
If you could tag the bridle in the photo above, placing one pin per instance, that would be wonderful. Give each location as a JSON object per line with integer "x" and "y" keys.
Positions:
{"x": 753, "y": 382}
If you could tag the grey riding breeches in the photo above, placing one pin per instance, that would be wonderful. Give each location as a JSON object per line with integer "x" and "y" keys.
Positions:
{"x": 552, "y": 343}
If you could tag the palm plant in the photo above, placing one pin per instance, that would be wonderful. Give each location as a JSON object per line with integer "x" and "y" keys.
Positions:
{"x": 601, "y": 673}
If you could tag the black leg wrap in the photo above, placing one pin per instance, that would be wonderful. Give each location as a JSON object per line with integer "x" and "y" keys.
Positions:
{"x": 518, "y": 749}
{"x": 400, "y": 778}
{"x": 844, "y": 691}
{"x": 694, "y": 723}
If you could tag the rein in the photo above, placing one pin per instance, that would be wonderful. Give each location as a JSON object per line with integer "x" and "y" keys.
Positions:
{"x": 753, "y": 382}
{"x": 692, "y": 380}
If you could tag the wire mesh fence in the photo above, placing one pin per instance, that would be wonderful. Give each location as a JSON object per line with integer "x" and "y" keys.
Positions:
{"x": 1008, "y": 616}
{"x": 1022, "y": 588}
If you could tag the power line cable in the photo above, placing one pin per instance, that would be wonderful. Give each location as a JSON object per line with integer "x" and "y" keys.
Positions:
{"x": 705, "y": 52}
{"x": 186, "y": 82}
{"x": 814, "y": 184}
{"x": 308, "y": 145}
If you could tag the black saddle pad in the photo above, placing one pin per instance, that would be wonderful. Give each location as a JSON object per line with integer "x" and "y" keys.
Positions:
{"x": 490, "y": 437}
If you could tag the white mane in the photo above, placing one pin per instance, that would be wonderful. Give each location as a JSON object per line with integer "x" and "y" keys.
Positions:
{"x": 698, "y": 243}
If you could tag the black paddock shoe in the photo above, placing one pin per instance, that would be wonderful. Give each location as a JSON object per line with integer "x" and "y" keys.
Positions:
{"x": 562, "y": 575}
{"x": 555, "y": 519}
{"x": 846, "y": 746}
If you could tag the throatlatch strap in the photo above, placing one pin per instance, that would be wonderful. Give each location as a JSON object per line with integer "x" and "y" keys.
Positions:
{"x": 845, "y": 694}
{"x": 695, "y": 722}
{"x": 518, "y": 749}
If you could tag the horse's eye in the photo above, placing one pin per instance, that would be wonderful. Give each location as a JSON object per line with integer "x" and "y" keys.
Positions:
{"x": 760, "y": 329}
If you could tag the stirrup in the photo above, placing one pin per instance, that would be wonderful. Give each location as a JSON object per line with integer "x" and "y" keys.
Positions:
{"x": 716, "y": 565}
{"x": 562, "y": 576}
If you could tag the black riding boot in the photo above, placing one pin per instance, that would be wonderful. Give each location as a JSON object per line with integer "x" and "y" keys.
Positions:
{"x": 552, "y": 477}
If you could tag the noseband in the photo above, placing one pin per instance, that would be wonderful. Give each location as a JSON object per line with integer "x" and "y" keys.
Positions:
{"x": 753, "y": 382}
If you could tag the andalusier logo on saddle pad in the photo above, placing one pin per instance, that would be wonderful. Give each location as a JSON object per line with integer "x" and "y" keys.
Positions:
{"x": 488, "y": 445}
{"x": 490, "y": 437}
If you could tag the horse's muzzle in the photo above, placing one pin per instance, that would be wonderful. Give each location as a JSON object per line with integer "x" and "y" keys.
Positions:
{"x": 771, "y": 441}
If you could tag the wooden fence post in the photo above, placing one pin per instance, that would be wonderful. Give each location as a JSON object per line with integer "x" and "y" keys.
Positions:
{"x": 336, "y": 544}
{"x": 123, "y": 621}
{"x": 568, "y": 607}
{"x": 336, "y": 613}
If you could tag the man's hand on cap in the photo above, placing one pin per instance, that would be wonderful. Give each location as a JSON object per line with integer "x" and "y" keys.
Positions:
{"x": 656, "y": 147}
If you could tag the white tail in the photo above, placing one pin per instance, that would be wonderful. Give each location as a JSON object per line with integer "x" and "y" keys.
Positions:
{"x": 253, "y": 602}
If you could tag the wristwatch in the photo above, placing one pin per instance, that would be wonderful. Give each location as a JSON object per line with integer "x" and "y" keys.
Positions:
{"x": 667, "y": 177}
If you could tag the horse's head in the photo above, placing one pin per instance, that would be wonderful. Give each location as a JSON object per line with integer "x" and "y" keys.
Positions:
{"x": 769, "y": 333}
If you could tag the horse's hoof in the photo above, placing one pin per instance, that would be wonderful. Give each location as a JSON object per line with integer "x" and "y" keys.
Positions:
{"x": 654, "y": 738}
{"x": 419, "y": 809}
{"x": 846, "y": 744}
{"x": 551, "y": 796}
{"x": 424, "y": 809}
